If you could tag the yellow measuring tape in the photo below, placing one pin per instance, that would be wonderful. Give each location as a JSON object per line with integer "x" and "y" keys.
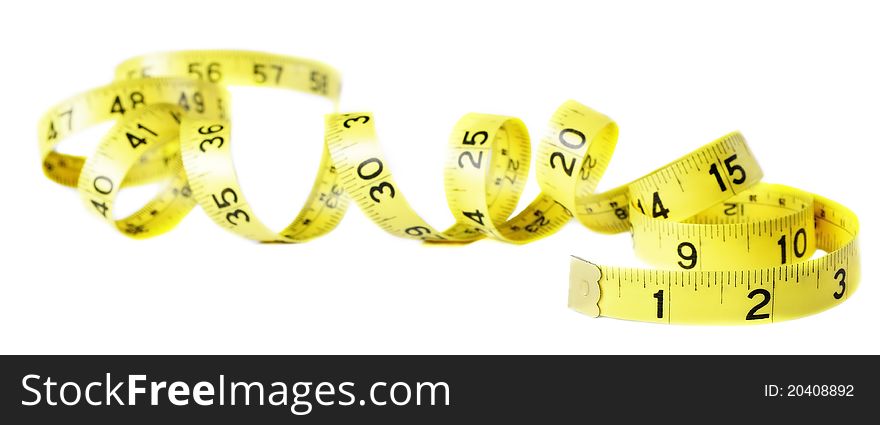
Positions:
{"x": 730, "y": 249}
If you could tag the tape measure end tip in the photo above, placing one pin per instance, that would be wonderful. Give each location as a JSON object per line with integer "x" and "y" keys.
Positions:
{"x": 584, "y": 292}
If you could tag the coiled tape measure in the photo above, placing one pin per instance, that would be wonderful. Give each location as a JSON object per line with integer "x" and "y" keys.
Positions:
{"x": 729, "y": 249}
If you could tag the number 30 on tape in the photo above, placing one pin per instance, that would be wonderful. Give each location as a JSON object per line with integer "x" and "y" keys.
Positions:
{"x": 728, "y": 248}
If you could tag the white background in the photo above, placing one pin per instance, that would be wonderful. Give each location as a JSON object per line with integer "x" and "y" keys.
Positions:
{"x": 800, "y": 79}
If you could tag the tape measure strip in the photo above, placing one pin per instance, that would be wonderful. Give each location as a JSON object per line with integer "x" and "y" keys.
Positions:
{"x": 697, "y": 214}
{"x": 732, "y": 296}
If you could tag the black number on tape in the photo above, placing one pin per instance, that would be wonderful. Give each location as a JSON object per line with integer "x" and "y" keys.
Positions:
{"x": 568, "y": 168}
{"x": 197, "y": 99}
{"x": 261, "y": 75}
{"x": 800, "y": 244}
{"x": 211, "y": 129}
{"x": 101, "y": 207}
{"x": 841, "y": 274}
{"x": 692, "y": 257}
{"x": 52, "y": 134}
{"x": 752, "y": 313}
{"x": 587, "y": 168}
{"x": 229, "y": 197}
{"x": 657, "y": 210}
{"x": 210, "y": 72}
{"x": 235, "y": 214}
{"x": 475, "y": 162}
{"x": 380, "y": 190}
{"x": 136, "y": 141}
{"x": 223, "y": 195}
{"x": 357, "y": 120}
{"x": 578, "y": 134}
{"x": 476, "y": 216}
{"x": 103, "y": 185}
{"x": 539, "y": 222}
{"x": 374, "y": 174}
{"x": 211, "y": 141}
{"x": 472, "y": 140}
{"x": 319, "y": 82}
{"x": 417, "y": 231}
{"x": 659, "y": 296}
{"x": 136, "y": 98}
{"x": 731, "y": 170}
